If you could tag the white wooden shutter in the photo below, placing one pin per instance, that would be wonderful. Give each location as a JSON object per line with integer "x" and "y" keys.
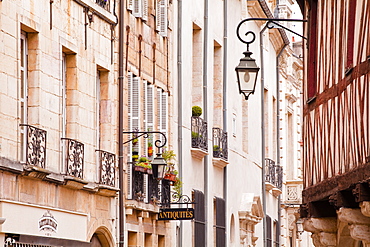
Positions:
{"x": 129, "y": 181}
{"x": 146, "y": 188}
{"x": 164, "y": 114}
{"x": 150, "y": 112}
{"x": 137, "y": 11}
{"x": 159, "y": 112}
{"x": 163, "y": 18}
{"x": 158, "y": 15}
{"x": 145, "y": 112}
{"x": 130, "y": 4}
{"x": 145, "y": 10}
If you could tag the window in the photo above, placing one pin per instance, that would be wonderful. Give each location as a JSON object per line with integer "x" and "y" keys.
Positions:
{"x": 139, "y": 8}
{"x": 268, "y": 231}
{"x": 199, "y": 219}
{"x": 220, "y": 224}
{"x": 23, "y": 100}
{"x": 312, "y": 52}
{"x": 161, "y": 17}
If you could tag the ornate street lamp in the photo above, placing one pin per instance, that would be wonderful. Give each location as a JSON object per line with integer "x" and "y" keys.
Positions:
{"x": 158, "y": 166}
{"x": 247, "y": 70}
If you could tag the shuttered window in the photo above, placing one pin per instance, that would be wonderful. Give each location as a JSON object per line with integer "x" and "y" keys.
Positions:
{"x": 23, "y": 99}
{"x": 130, "y": 4}
{"x": 220, "y": 224}
{"x": 268, "y": 231}
{"x": 137, "y": 8}
{"x": 199, "y": 219}
{"x": 161, "y": 17}
{"x": 145, "y": 10}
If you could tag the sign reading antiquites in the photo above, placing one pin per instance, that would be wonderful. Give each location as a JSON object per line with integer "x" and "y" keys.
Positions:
{"x": 176, "y": 214}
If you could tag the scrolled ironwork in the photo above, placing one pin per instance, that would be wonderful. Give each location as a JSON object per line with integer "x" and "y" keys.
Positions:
{"x": 199, "y": 133}
{"x": 220, "y": 149}
{"x": 74, "y": 158}
{"x": 146, "y": 134}
{"x": 103, "y": 3}
{"x": 35, "y": 146}
{"x": 107, "y": 168}
{"x": 273, "y": 173}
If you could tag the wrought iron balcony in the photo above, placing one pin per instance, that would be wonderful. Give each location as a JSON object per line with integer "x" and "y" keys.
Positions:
{"x": 103, "y": 3}
{"x": 74, "y": 157}
{"x": 219, "y": 144}
{"x": 35, "y": 145}
{"x": 107, "y": 168}
{"x": 273, "y": 173}
{"x": 199, "y": 135}
{"x": 143, "y": 187}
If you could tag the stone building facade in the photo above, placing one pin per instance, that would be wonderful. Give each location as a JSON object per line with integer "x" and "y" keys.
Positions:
{"x": 58, "y": 123}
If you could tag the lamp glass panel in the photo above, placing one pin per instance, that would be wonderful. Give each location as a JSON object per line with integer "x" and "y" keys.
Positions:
{"x": 247, "y": 80}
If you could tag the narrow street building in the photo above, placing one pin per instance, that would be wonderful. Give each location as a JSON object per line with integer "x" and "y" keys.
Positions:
{"x": 57, "y": 116}
{"x": 336, "y": 123}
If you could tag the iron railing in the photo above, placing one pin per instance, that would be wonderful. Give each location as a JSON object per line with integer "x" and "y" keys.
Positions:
{"x": 35, "y": 146}
{"x": 273, "y": 173}
{"x": 199, "y": 135}
{"x": 103, "y": 3}
{"x": 74, "y": 157}
{"x": 107, "y": 168}
{"x": 220, "y": 143}
{"x": 147, "y": 189}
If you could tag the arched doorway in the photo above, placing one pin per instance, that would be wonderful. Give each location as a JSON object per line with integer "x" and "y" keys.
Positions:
{"x": 102, "y": 238}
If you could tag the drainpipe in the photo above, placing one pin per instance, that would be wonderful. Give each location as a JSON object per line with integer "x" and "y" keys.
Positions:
{"x": 120, "y": 124}
{"x": 278, "y": 130}
{"x": 224, "y": 105}
{"x": 205, "y": 107}
{"x": 179, "y": 96}
{"x": 263, "y": 137}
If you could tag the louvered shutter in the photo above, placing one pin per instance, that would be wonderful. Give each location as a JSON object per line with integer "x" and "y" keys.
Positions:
{"x": 135, "y": 109}
{"x": 164, "y": 113}
{"x": 150, "y": 111}
{"x": 220, "y": 222}
{"x": 146, "y": 188}
{"x": 145, "y": 10}
{"x": 158, "y": 15}
{"x": 129, "y": 181}
{"x": 130, "y": 4}
{"x": 163, "y": 18}
{"x": 159, "y": 112}
{"x": 145, "y": 114}
{"x": 129, "y": 118}
{"x": 137, "y": 11}
{"x": 199, "y": 220}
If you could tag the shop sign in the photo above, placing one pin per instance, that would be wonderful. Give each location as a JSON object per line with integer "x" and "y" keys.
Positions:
{"x": 176, "y": 214}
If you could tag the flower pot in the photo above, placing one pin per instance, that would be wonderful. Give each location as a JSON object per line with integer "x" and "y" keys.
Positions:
{"x": 140, "y": 169}
{"x": 170, "y": 176}
{"x": 150, "y": 151}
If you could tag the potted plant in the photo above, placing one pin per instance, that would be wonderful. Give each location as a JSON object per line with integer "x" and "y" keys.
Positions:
{"x": 150, "y": 149}
{"x": 134, "y": 156}
{"x": 171, "y": 174}
{"x": 216, "y": 151}
{"x": 196, "y": 111}
{"x": 143, "y": 165}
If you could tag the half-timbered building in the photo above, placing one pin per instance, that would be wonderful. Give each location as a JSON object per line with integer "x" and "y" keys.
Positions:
{"x": 336, "y": 122}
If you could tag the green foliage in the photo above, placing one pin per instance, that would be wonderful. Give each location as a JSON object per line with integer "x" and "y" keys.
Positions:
{"x": 196, "y": 111}
{"x": 169, "y": 156}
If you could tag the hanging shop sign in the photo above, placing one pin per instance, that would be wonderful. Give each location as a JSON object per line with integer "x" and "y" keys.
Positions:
{"x": 176, "y": 214}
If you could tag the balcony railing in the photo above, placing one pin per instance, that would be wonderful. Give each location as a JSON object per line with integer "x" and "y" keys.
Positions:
{"x": 35, "y": 146}
{"x": 199, "y": 134}
{"x": 143, "y": 187}
{"x": 107, "y": 168}
{"x": 219, "y": 143}
{"x": 273, "y": 173}
{"x": 74, "y": 157}
{"x": 103, "y": 3}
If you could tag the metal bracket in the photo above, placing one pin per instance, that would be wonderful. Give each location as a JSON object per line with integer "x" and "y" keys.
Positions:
{"x": 145, "y": 134}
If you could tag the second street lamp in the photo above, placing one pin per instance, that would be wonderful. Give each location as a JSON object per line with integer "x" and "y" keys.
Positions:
{"x": 247, "y": 71}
